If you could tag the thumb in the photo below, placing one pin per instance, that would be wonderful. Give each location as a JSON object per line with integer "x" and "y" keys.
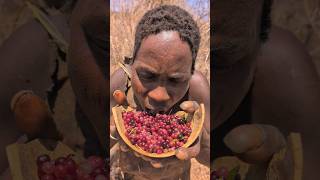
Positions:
{"x": 255, "y": 143}
{"x": 120, "y": 97}
{"x": 190, "y": 152}
{"x": 189, "y": 106}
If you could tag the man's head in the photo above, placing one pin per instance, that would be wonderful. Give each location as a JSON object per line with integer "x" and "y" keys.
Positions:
{"x": 168, "y": 18}
{"x": 166, "y": 44}
{"x": 240, "y": 27}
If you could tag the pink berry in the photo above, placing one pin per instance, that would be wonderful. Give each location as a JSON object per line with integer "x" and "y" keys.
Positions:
{"x": 156, "y": 133}
{"x": 61, "y": 160}
{"x": 96, "y": 161}
{"x": 60, "y": 171}
{"x": 47, "y": 177}
{"x": 43, "y": 158}
{"x": 71, "y": 166}
{"x": 48, "y": 167}
{"x": 222, "y": 172}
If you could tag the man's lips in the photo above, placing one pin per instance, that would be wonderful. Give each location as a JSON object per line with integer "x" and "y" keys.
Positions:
{"x": 155, "y": 110}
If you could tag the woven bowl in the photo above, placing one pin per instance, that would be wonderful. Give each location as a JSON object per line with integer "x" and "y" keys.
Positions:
{"x": 196, "y": 126}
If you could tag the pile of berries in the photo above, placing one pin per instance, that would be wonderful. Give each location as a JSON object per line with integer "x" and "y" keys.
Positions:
{"x": 156, "y": 133}
{"x": 223, "y": 174}
{"x": 65, "y": 168}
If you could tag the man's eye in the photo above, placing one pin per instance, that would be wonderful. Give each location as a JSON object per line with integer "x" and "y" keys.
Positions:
{"x": 175, "y": 80}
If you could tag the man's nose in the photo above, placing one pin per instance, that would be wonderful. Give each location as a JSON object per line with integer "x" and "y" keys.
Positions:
{"x": 159, "y": 94}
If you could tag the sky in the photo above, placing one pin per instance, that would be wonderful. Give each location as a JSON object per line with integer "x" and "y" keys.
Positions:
{"x": 192, "y": 3}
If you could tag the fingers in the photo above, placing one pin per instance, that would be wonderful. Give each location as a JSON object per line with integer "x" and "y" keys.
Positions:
{"x": 123, "y": 147}
{"x": 113, "y": 130}
{"x": 188, "y": 153}
{"x": 120, "y": 97}
{"x": 156, "y": 164}
{"x": 189, "y": 106}
{"x": 244, "y": 138}
{"x": 255, "y": 143}
{"x": 153, "y": 162}
{"x": 33, "y": 116}
{"x": 160, "y": 163}
{"x": 17, "y": 96}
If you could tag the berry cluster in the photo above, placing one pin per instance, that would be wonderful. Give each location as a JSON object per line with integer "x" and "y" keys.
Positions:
{"x": 65, "y": 168}
{"x": 156, "y": 134}
{"x": 222, "y": 174}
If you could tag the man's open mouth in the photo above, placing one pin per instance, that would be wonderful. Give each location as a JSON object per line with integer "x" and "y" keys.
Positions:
{"x": 153, "y": 112}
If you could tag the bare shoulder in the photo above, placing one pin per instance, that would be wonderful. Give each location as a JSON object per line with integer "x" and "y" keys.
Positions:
{"x": 283, "y": 48}
{"x": 284, "y": 58}
{"x": 118, "y": 80}
{"x": 199, "y": 91}
{"x": 286, "y": 84}
{"x": 199, "y": 87}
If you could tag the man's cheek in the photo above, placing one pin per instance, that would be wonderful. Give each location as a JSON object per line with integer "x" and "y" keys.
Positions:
{"x": 137, "y": 85}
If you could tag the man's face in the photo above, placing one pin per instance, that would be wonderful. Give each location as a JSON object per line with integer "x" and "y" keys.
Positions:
{"x": 235, "y": 44}
{"x": 161, "y": 71}
{"x": 236, "y": 29}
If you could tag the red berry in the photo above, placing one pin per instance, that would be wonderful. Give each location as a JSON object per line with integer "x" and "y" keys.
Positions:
{"x": 60, "y": 160}
{"x": 70, "y": 166}
{"x": 222, "y": 172}
{"x": 101, "y": 177}
{"x": 60, "y": 171}
{"x": 40, "y": 172}
{"x": 48, "y": 167}
{"x": 43, "y": 158}
{"x": 47, "y": 177}
{"x": 97, "y": 171}
{"x": 214, "y": 175}
{"x": 95, "y": 161}
{"x": 86, "y": 167}
{"x": 156, "y": 134}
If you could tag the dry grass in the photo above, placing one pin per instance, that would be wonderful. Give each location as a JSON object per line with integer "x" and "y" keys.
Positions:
{"x": 124, "y": 21}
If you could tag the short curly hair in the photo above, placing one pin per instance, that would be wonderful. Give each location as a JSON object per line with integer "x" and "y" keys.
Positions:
{"x": 169, "y": 18}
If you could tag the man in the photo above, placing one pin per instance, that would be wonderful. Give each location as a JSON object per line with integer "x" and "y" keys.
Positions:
{"x": 162, "y": 75}
{"x": 262, "y": 75}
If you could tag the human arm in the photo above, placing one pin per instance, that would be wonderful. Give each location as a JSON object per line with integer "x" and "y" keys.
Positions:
{"x": 285, "y": 99}
{"x": 87, "y": 75}
{"x": 200, "y": 92}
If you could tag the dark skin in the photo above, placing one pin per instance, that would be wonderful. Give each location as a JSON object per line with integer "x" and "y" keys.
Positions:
{"x": 34, "y": 65}
{"x": 30, "y": 66}
{"x": 34, "y": 69}
{"x": 285, "y": 91}
{"x": 161, "y": 76}
{"x": 24, "y": 67}
{"x": 86, "y": 77}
